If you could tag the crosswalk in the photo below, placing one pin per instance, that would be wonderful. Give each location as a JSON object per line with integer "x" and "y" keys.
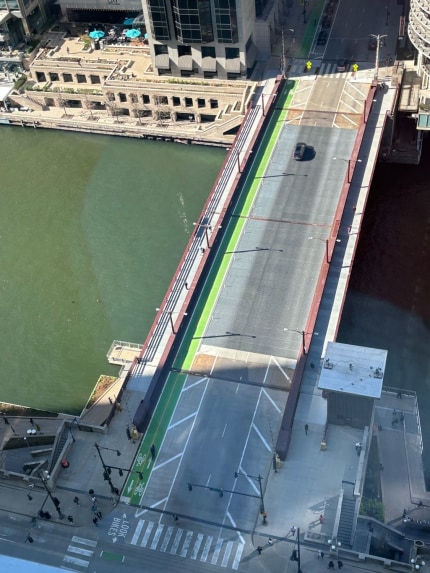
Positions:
{"x": 322, "y": 68}
{"x": 186, "y": 543}
{"x": 79, "y": 553}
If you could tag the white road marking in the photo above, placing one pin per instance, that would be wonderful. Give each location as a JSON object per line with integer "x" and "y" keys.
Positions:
{"x": 225, "y": 427}
{"x": 227, "y": 554}
{"x": 217, "y": 550}
{"x": 274, "y": 404}
{"x": 156, "y": 537}
{"x": 186, "y": 544}
{"x": 260, "y": 435}
{"x": 280, "y": 368}
{"x": 166, "y": 539}
{"x": 206, "y": 548}
{"x": 84, "y": 541}
{"x": 170, "y": 460}
{"x": 194, "y": 384}
{"x": 249, "y": 480}
{"x": 176, "y": 542}
{"x": 181, "y": 421}
{"x": 209, "y": 479}
{"x": 137, "y": 531}
{"x": 236, "y": 561}
{"x": 80, "y": 551}
{"x": 76, "y": 561}
{"x": 197, "y": 546}
{"x": 147, "y": 534}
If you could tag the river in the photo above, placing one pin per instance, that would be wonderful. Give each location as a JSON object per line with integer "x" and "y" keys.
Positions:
{"x": 91, "y": 231}
{"x": 387, "y": 305}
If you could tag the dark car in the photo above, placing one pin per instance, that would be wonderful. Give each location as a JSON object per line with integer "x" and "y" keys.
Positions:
{"x": 299, "y": 151}
{"x": 326, "y": 23}
{"x": 372, "y": 43}
{"x": 341, "y": 65}
{"x": 322, "y": 38}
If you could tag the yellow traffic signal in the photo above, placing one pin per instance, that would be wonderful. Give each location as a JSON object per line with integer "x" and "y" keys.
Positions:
{"x": 308, "y": 65}
{"x": 355, "y": 68}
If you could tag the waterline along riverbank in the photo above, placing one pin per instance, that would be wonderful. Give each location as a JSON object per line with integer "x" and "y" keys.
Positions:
{"x": 91, "y": 231}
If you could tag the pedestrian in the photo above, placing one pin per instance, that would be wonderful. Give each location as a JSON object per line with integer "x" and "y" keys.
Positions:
{"x": 202, "y": 250}
{"x": 186, "y": 285}
{"x": 70, "y": 518}
{"x": 94, "y": 508}
{"x": 404, "y": 513}
{"x": 94, "y": 499}
{"x": 339, "y": 564}
{"x": 99, "y": 514}
{"x": 29, "y": 538}
{"x": 127, "y": 431}
{"x": 330, "y": 565}
{"x": 293, "y": 530}
{"x": 110, "y": 400}
{"x": 270, "y": 541}
{"x": 96, "y": 521}
{"x": 399, "y": 394}
{"x": 259, "y": 549}
{"x": 321, "y": 518}
{"x": 153, "y": 451}
{"x": 175, "y": 518}
{"x": 68, "y": 50}
{"x": 29, "y": 497}
{"x": 6, "y": 421}
{"x": 306, "y": 429}
{"x": 32, "y": 421}
{"x": 320, "y": 554}
{"x": 76, "y": 500}
{"x": 113, "y": 501}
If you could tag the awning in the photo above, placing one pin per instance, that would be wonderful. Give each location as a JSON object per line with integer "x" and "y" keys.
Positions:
{"x": 5, "y": 90}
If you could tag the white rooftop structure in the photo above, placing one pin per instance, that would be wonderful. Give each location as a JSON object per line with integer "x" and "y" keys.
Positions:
{"x": 356, "y": 370}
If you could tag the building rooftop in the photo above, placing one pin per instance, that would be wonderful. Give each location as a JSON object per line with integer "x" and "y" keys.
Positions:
{"x": 357, "y": 370}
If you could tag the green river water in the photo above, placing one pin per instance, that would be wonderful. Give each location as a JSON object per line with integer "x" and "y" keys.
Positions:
{"x": 91, "y": 231}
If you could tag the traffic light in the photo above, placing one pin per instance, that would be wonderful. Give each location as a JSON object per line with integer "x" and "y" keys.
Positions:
{"x": 190, "y": 487}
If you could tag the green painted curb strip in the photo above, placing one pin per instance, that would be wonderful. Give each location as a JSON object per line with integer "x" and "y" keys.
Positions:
{"x": 308, "y": 39}
{"x": 189, "y": 346}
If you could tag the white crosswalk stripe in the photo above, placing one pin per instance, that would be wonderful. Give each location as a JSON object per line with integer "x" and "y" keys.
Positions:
{"x": 75, "y": 549}
{"x": 188, "y": 544}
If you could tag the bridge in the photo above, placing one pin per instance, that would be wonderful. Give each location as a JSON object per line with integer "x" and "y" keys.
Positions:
{"x": 234, "y": 354}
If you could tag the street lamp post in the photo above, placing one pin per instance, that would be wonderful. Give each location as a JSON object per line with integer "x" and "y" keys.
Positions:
{"x": 303, "y": 335}
{"x": 349, "y": 161}
{"x": 326, "y": 241}
{"x": 378, "y": 43}
{"x": 207, "y": 228}
{"x": 170, "y": 312}
{"x": 54, "y": 500}
{"x": 106, "y": 469}
{"x": 259, "y": 479}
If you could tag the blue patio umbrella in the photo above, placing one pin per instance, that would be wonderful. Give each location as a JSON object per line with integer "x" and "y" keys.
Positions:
{"x": 133, "y": 33}
{"x": 97, "y": 34}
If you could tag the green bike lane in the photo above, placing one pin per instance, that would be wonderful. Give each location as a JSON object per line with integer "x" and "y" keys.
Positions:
{"x": 144, "y": 461}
